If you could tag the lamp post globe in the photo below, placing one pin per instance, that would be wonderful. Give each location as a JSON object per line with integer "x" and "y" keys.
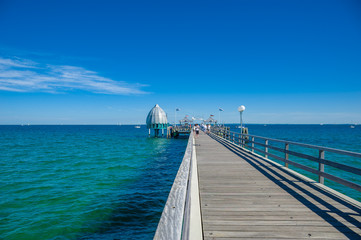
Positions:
{"x": 241, "y": 108}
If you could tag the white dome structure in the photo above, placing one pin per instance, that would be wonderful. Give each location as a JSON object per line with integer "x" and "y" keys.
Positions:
{"x": 157, "y": 118}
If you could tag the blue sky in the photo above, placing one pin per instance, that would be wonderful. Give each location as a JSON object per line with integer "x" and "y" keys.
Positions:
{"x": 105, "y": 62}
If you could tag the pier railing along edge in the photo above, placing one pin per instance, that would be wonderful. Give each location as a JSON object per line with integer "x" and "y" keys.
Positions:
{"x": 244, "y": 139}
{"x": 181, "y": 217}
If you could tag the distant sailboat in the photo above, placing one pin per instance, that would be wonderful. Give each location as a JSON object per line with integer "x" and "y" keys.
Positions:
{"x": 137, "y": 126}
{"x": 352, "y": 126}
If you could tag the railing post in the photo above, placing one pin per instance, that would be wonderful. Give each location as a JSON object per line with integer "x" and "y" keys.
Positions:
{"x": 287, "y": 147}
{"x": 321, "y": 166}
{"x": 252, "y": 144}
{"x": 241, "y": 140}
{"x": 266, "y": 148}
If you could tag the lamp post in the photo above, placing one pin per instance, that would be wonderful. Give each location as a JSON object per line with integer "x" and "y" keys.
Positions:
{"x": 220, "y": 110}
{"x": 175, "y": 116}
{"x": 240, "y": 110}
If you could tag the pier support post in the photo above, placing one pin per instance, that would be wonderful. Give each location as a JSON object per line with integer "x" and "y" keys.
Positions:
{"x": 252, "y": 144}
{"x": 266, "y": 148}
{"x": 241, "y": 137}
{"x": 287, "y": 146}
{"x": 321, "y": 166}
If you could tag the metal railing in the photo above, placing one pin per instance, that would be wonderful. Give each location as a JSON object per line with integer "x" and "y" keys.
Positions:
{"x": 249, "y": 141}
{"x": 182, "y": 128}
{"x": 175, "y": 222}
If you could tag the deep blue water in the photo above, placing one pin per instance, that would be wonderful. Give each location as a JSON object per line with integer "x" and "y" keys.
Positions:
{"x": 110, "y": 182}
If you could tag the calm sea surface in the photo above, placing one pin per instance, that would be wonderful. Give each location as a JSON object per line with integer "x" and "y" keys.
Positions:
{"x": 110, "y": 182}
{"x": 84, "y": 182}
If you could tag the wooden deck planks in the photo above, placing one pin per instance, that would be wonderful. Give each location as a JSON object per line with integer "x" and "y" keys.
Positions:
{"x": 244, "y": 197}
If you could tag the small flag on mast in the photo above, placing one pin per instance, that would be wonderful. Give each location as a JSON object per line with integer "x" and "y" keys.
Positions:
{"x": 220, "y": 109}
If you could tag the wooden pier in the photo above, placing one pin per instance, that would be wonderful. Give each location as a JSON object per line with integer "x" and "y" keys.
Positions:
{"x": 178, "y": 130}
{"x": 243, "y": 195}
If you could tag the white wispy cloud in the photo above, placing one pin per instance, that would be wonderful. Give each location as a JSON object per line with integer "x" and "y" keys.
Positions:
{"x": 24, "y": 75}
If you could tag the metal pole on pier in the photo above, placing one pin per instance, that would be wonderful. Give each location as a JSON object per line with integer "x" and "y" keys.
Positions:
{"x": 175, "y": 116}
{"x": 240, "y": 110}
{"x": 220, "y": 110}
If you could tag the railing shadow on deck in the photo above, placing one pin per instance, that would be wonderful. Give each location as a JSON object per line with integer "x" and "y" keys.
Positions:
{"x": 261, "y": 165}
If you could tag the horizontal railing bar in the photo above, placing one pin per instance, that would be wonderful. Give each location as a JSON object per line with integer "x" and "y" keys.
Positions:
{"x": 257, "y": 149}
{"x": 344, "y": 152}
{"x": 342, "y": 181}
{"x": 292, "y": 153}
{"x": 340, "y": 166}
{"x": 301, "y": 166}
{"x": 315, "y": 171}
{"x": 309, "y": 169}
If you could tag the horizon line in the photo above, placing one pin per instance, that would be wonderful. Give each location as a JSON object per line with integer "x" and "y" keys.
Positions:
{"x": 144, "y": 124}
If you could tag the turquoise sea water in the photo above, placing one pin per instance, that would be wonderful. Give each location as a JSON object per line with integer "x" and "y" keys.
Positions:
{"x": 84, "y": 182}
{"x": 109, "y": 182}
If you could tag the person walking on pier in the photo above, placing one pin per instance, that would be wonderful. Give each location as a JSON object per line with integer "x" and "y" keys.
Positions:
{"x": 196, "y": 128}
{"x": 208, "y": 128}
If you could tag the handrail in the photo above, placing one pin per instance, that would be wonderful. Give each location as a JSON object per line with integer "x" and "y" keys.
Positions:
{"x": 244, "y": 139}
{"x": 339, "y": 151}
{"x": 182, "y": 128}
{"x": 174, "y": 222}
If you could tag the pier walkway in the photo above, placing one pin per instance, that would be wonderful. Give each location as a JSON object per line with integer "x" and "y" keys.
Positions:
{"x": 245, "y": 196}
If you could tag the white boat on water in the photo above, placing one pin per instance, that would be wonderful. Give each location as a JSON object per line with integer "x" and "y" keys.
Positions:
{"x": 137, "y": 126}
